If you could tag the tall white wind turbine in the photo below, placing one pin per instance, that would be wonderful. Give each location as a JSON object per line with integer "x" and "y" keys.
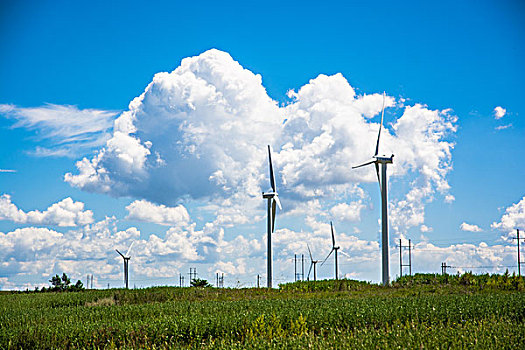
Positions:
{"x": 383, "y": 160}
{"x": 126, "y": 263}
{"x": 273, "y": 201}
{"x": 312, "y": 264}
{"x": 334, "y": 248}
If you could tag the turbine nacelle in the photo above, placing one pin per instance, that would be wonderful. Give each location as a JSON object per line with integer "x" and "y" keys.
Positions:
{"x": 384, "y": 159}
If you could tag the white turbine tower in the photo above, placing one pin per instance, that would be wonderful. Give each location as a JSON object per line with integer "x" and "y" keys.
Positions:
{"x": 383, "y": 160}
{"x": 312, "y": 264}
{"x": 126, "y": 263}
{"x": 334, "y": 248}
{"x": 273, "y": 200}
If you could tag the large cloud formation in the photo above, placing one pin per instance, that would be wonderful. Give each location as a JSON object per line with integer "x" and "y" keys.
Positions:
{"x": 201, "y": 132}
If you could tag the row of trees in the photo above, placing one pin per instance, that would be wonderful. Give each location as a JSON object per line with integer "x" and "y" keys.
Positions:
{"x": 62, "y": 284}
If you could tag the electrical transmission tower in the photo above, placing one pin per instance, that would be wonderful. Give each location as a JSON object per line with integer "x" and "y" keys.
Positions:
{"x": 181, "y": 280}
{"x": 401, "y": 265}
{"x": 295, "y": 267}
{"x": 193, "y": 273}
{"x": 299, "y": 276}
{"x": 302, "y": 267}
{"x": 219, "y": 280}
{"x": 89, "y": 284}
{"x": 444, "y": 267}
{"x": 517, "y": 238}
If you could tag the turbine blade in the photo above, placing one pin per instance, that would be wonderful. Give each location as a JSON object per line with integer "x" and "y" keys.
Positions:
{"x": 120, "y": 253}
{"x": 310, "y": 270}
{"x": 129, "y": 249}
{"x": 333, "y": 236}
{"x": 273, "y": 215}
{"x": 276, "y": 199}
{"x": 380, "y": 125}
{"x": 378, "y": 177}
{"x": 272, "y": 178}
{"x": 342, "y": 252}
{"x": 310, "y": 252}
{"x": 360, "y": 165}
{"x": 327, "y": 257}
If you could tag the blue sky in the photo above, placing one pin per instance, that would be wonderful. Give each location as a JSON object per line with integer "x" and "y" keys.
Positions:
{"x": 89, "y": 60}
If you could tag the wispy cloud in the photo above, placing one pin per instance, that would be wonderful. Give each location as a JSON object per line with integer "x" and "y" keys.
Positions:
{"x": 70, "y": 131}
{"x": 503, "y": 127}
{"x": 7, "y": 171}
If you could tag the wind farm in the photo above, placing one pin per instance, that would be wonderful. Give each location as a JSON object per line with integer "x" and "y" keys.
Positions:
{"x": 298, "y": 175}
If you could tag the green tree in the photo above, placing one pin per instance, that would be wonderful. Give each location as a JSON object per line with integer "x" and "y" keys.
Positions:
{"x": 56, "y": 282}
{"x": 197, "y": 282}
{"x": 63, "y": 284}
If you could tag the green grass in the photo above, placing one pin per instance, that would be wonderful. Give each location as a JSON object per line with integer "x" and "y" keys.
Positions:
{"x": 425, "y": 312}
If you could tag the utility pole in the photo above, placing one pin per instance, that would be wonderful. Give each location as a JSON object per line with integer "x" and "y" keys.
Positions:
{"x": 258, "y": 277}
{"x": 401, "y": 265}
{"x": 444, "y": 268}
{"x": 295, "y": 266}
{"x": 409, "y": 258}
{"x": 193, "y": 273}
{"x": 517, "y": 238}
{"x": 91, "y": 281}
{"x": 302, "y": 266}
{"x": 87, "y": 282}
{"x": 221, "y": 280}
{"x": 400, "y": 259}
{"x": 217, "y": 279}
{"x": 181, "y": 280}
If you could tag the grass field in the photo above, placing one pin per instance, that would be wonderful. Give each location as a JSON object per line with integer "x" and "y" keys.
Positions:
{"x": 424, "y": 311}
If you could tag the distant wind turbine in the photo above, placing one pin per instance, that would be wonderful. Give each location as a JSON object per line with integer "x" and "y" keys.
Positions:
{"x": 126, "y": 263}
{"x": 273, "y": 200}
{"x": 383, "y": 160}
{"x": 334, "y": 248}
{"x": 312, "y": 264}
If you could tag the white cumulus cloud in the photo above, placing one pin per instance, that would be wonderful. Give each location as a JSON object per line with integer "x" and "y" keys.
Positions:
{"x": 470, "y": 227}
{"x": 143, "y": 210}
{"x": 514, "y": 218}
{"x": 499, "y": 112}
{"x": 64, "y": 213}
{"x": 347, "y": 212}
{"x": 201, "y": 132}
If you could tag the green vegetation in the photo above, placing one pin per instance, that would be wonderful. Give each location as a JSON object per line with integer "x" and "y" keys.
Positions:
{"x": 197, "y": 282}
{"x": 62, "y": 284}
{"x": 423, "y": 311}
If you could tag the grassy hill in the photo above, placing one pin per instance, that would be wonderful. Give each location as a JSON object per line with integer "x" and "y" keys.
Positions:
{"x": 422, "y": 311}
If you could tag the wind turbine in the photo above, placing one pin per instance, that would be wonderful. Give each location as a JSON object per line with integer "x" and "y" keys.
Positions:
{"x": 312, "y": 263}
{"x": 383, "y": 160}
{"x": 334, "y": 248}
{"x": 126, "y": 263}
{"x": 273, "y": 200}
